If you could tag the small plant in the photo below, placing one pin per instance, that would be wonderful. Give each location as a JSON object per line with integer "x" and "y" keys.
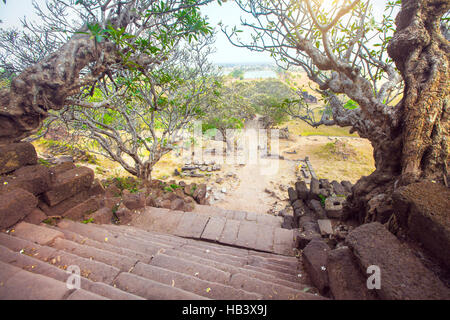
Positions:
{"x": 44, "y": 162}
{"x": 322, "y": 199}
{"x": 86, "y": 221}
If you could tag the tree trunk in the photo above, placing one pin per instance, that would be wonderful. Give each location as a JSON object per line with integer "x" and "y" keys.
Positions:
{"x": 416, "y": 147}
{"x": 47, "y": 85}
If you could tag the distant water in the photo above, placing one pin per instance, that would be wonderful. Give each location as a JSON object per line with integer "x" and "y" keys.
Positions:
{"x": 257, "y": 74}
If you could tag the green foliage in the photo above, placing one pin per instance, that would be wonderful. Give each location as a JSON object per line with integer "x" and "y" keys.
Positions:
{"x": 86, "y": 221}
{"x": 44, "y": 162}
{"x": 350, "y": 104}
{"x": 124, "y": 183}
{"x": 322, "y": 199}
{"x": 237, "y": 74}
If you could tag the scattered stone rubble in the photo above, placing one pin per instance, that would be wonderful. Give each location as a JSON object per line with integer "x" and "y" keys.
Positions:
{"x": 34, "y": 192}
{"x": 336, "y": 254}
{"x": 197, "y": 169}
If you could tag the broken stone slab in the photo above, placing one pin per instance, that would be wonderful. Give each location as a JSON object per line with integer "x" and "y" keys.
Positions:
{"x": 292, "y": 195}
{"x": 317, "y": 208}
{"x": 96, "y": 188}
{"x": 315, "y": 257}
{"x": 402, "y": 274}
{"x": 200, "y": 194}
{"x": 423, "y": 210}
{"x": 63, "y": 206}
{"x": 102, "y": 216}
{"x": 302, "y": 238}
{"x": 347, "y": 186}
{"x": 87, "y": 207}
{"x": 36, "y": 216}
{"x": 68, "y": 184}
{"x": 123, "y": 214}
{"x": 325, "y": 227}
{"x": 345, "y": 278}
{"x": 325, "y": 184}
{"x": 15, "y": 205}
{"x": 334, "y": 207}
{"x": 314, "y": 189}
{"x": 302, "y": 190}
{"x": 133, "y": 201}
{"x": 16, "y": 155}
{"x": 338, "y": 189}
{"x": 36, "y": 179}
{"x": 188, "y": 168}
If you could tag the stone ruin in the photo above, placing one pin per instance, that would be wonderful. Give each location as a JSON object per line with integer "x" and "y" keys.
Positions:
{"x": 35, "y": 192}
{"x": 197, "y": 169}
{"x": 337, "y": 253}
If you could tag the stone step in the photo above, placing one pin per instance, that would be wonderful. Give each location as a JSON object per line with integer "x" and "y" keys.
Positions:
{"x": 120, "y": 262}
{"x": 123, "y": 263}
{"x": 286, "y": 261}
{"x": 259, "y": 271}
{"x": 403, "y": 276}
{"x": 72, "y": 236}
{"x": 208, "y": 289}
{"x": 91, "y": 269}
{"x": 31, "y": 264}
{"x": 152, "y": 290}
{"x": 35, "y": 266}
{"x": 239, "y": 215}
{"x": 225, "y": 264}
{"x": 251, "y": 271}
{"x": 254, "y": 235}
{"x": 212, "y": 253}
{"x": 18, "y": 284}
{"x": 114, "y": 238}
{"x": 271, "y": 291}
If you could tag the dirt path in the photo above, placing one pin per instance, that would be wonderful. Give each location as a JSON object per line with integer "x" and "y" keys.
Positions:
{"x": 255, "y": 180}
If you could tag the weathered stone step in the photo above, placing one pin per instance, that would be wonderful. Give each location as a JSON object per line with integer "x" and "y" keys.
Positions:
{"x": 123, "y": 263}
{"x": 252, "y": 235}
{"x": 208, "y": 289}
{"x": 36, "y": 266}
{"x": 72, "y": 236}
{"x": 287, "y": 261}
{"x": 227, "y": 265}
{"x": 271, "y": 291}
{"x": 18, "y": 284}
{"x": 288, "y": 276}
{"x": 102, "y": 235}
{"x": 152, "y": 290}
{"x": 93, "y": 270}
{"x": 403, "y": 276}
{"x": 238, "y": 261}
{"x": 267, "y": 275}
{"x": 268, "y": 267}
{"x": 239, "y": 215}
{"x": 109, "y": 256}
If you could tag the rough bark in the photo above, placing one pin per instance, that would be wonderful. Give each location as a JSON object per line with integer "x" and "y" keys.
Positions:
{"x": 47, "y": 85}
{"x": 414, "y": 146}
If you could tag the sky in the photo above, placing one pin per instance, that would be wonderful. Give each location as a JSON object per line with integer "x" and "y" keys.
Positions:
{"x": 228, "y": 13}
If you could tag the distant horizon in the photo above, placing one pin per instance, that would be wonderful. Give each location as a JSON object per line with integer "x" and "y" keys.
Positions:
{"x": 227, "y": 13}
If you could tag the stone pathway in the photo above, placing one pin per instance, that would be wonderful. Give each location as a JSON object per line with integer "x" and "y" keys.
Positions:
{"x": 242, "y": 229}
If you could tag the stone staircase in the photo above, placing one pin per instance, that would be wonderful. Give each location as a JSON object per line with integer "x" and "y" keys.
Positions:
{"x": 125, "y": 262}
{"x": 261, "y": 232}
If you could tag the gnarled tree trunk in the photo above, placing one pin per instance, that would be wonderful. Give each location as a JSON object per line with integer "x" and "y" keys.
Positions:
{"x": 416, "y": 144}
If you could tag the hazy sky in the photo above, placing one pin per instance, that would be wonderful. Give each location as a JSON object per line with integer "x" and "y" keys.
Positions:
{"x": 228, "y": 13}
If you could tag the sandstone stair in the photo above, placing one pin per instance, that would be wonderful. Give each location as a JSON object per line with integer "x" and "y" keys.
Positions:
{"x": 124, "y": 262}
{"x": 260, "y": 232}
